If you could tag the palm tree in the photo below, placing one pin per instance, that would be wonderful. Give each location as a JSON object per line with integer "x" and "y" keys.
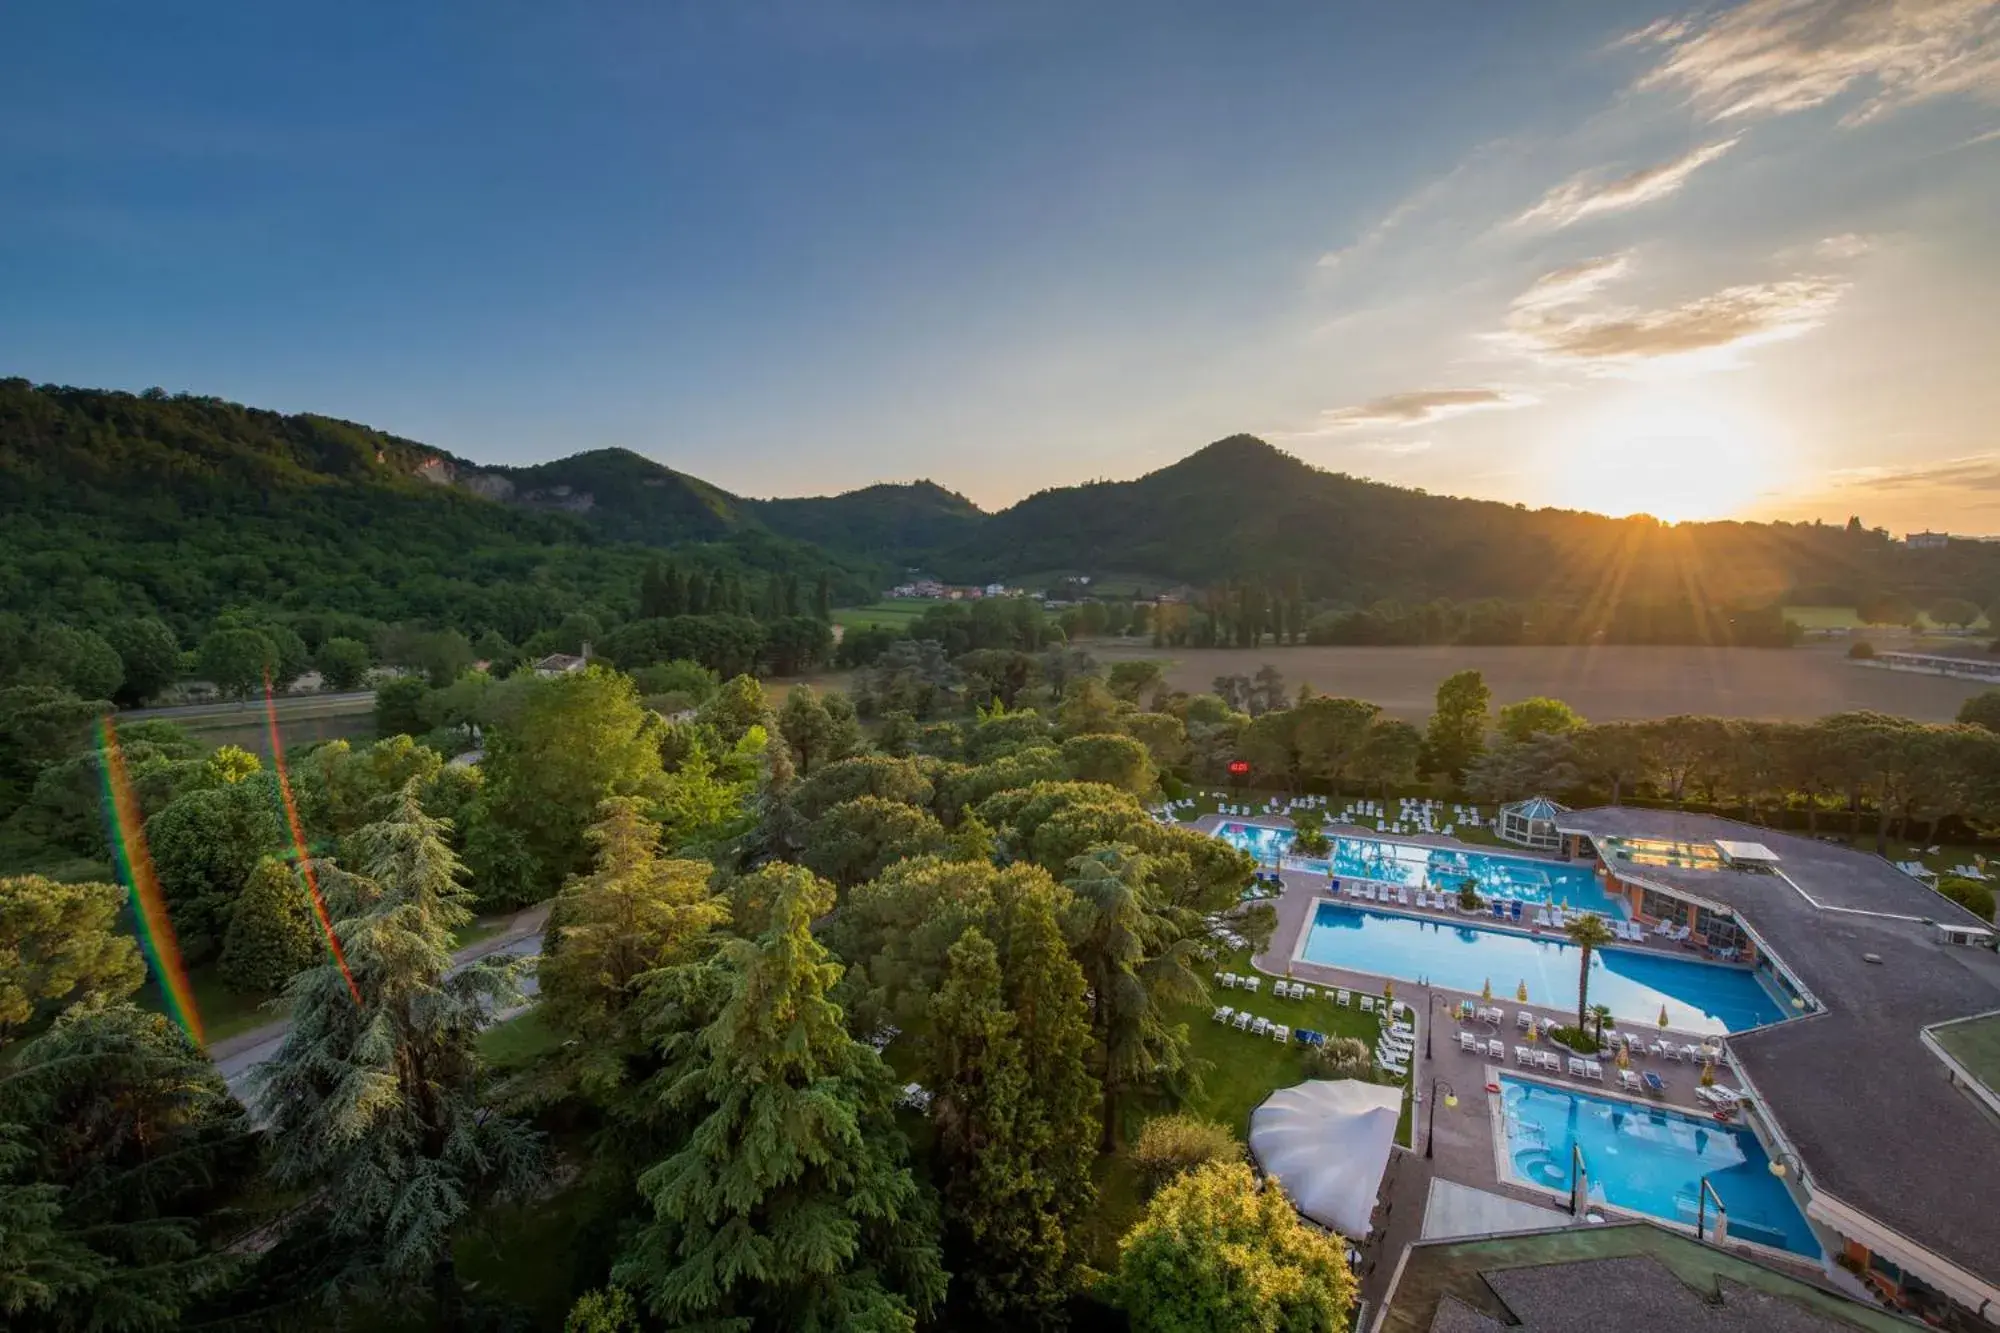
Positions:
{"x": 1600, "y": 1014}
{"x": 1587, "y": 933}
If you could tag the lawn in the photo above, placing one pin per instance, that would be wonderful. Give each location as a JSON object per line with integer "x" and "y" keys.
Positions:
{"x": 518, "y": 1042}
{"x": 224, "y": 1012}
{"x": 895, "y": 613}
{"x": 1238, "y": 1071}
{"x": 480, "y": 928}
{"x": 1207, "y": 802}
{"x": 1844, "y": 617}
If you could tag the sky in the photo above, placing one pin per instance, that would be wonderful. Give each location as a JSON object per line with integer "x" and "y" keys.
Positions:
{"x": 1736, "y": 261}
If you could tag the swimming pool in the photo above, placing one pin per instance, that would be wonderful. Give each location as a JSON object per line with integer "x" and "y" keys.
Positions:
{"x": 1647, "y": 1159}
{"x": 1414, "y": 866}
{"x": 1699, "y": 997}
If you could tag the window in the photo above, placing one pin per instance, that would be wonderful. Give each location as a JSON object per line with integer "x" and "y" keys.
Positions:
{"x": 1659, "y": 905}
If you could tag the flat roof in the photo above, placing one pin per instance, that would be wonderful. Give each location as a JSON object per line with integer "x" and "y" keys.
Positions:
{"x": 1630, "y": 1275}
{"x": 1872, "y": 1112}
{"x": 1975, "y": 1044}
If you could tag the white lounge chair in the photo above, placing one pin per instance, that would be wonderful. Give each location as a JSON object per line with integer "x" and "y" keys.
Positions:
{"x": 1524, "y": 1055}
{"x": 1496, "y": 1049}
{"x": 1524, "y": 1020}
{"x": 1629, "y": 1081}
{"x": 1576, "y": 1066}
{"x": 1242, "y": 1020}
{"x": 1468, "y": 1043}
{"x": 1551, "y": 1062}
{"x": 1592, "y": 1069}
{"x": 1309, "y": 995}
{"x": 1341, "y": 997}
{"x": 1281, "y": 1034}
{"x": 1224, "y": 1014}
{"x": 1249, "y": 983}
{"x": 1367, "y": 1004}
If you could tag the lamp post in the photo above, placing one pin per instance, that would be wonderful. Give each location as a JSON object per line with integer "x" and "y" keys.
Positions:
{"x": 1782, "y": 1163}
{"x": 1430, "y": 1126}
{"x": 1428, "y": 1024}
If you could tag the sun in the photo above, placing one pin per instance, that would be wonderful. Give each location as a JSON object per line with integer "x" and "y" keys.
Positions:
{"x": 1670, "y": 452}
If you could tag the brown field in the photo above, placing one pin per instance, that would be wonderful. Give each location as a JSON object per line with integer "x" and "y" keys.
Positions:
{"x": 1602, "y": 683}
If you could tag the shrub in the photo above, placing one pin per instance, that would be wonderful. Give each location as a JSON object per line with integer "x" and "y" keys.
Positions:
{"x": 1970, "y": 894}
{"x": 1468, "y": 895}
{"x": 1576, "y": 1039}
{"x": 1861, "y": 649}
{"x": 1341, "y": 1057}
{"x": 1171, "y": 1144}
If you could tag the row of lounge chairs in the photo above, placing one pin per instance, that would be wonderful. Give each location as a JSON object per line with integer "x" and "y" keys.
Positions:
{"x": 1245, "y": 1021}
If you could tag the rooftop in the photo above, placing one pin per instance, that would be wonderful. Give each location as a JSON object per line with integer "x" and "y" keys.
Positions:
{"x": 1629, "y": 1275}
{"x": 1879, "y": 1124}
{"x": 1975, "y": 1044}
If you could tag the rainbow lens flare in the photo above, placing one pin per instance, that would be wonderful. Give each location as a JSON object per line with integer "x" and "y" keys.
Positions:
{"x": 299, "y": 838}
{"x": 135, "y": 868}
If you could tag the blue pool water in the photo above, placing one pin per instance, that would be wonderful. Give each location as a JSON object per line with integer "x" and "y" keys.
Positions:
{"x": 1650, "y": 1160}
{"x": 1410, "y": 865}
{"x": 1699, "y": 997}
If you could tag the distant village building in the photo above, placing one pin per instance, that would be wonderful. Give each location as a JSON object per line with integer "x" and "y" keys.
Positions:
{"x": 1926, "y": 540}
{"x": 561, "y": 664}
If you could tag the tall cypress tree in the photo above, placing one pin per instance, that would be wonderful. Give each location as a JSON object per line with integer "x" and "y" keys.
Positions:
{"x": 652, "y": 591}
{"x": 823, "y": 598}
{"x": 673, "y": 592}
{"x": 697, "y": 593}
{"x": 372, "y": 1104}
{"x": 790, "y": 1205}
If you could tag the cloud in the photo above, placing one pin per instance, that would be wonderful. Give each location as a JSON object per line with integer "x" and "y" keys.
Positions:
{"x": 1976, "y": 472}
{"x": 1572, "y": 283}
{"x": 1549, "y": 322}
{"x": 1399, "y": 448}
{"x": 1418, "y": 407}
{"x": 1585, "y": 195}
{"x": 1770, "y": 57}
{"x": 1847, "y": 245}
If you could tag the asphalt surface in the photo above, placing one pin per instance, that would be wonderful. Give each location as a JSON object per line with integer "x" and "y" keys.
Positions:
{"x": 253, "y": 707}
{"x": 239, "y": 1056}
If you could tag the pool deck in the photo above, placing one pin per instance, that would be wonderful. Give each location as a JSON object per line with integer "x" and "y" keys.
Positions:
{"x": 1463, "y": 1148}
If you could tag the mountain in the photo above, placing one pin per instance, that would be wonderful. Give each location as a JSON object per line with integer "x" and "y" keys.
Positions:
{"x": 1241, "y": 509}
{"x": 902, "y": 523}
{"x": 622, "y": 495}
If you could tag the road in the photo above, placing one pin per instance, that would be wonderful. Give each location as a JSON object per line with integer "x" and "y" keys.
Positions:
{"x": 352, "y": 701}
{"x": 238, "y": 1056}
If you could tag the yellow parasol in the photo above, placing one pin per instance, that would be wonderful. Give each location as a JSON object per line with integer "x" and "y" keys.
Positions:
{"x": 1388, "y": 992}
{"x": 1708, "y": 1073}
{"x": 1486, "y": 991}
{"x": 1521, "y": 992}
{"x": 1624, "y": 1055}
{"x": 1663, "y": 1018}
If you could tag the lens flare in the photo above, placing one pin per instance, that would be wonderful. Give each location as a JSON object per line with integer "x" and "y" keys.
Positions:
{"x": 299, "y": 838}
{"x": 135, "y": 867}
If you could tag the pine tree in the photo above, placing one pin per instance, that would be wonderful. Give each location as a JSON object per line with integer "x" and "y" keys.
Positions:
{"x": 372, "y": 1106}
{"x": 823, "y": 599}
{"x": 652, "y": 591}
{"x": 790, "y": 1205}
{"x": 697, "y": 593}
{"x": 673, "y": 592}
{"x": 272, "y": 931}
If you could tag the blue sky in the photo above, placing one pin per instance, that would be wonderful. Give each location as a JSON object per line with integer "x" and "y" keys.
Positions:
{"x": 1604, "y": 255}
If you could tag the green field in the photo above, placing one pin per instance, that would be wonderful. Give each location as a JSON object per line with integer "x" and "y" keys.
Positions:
{"x": 895, "y": 613}
{"x": 1844, "y": 617}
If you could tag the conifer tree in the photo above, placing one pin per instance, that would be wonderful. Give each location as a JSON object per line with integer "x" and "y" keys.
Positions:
{"x": 823, "y": 599}
{"x": 372, "y": 1104}
{"x": 789, "y": 1206}
{"x": 272, "y": 933}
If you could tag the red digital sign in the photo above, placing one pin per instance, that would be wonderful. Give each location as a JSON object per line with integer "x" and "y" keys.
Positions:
{"x": 1239, "y": 766}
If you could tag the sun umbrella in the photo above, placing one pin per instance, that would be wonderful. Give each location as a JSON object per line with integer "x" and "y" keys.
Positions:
{"x": 1486, "y": 991}
{"x": 1663, "y": 1018}
{"x": 1624, "y": 1056}
{"x": 1521, "y": 992}
{"x": 1708, "y": 1073}
{"x": 1388, "y": 992}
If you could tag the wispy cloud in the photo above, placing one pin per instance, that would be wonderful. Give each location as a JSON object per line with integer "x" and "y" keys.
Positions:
{"x": 1418, "y": 407}
{"x": 1777, "y": 56}
{"x": 1549, "y": 321}
{"x": 1976, "y": 472}
{"x": 1418, "y": 200}
{"x": 1399, "y": 448}
{"x": 1847, "y": 245}
{"x": 1588, "y": 194}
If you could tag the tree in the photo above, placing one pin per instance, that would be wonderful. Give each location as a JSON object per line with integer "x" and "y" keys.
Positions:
{"x": 816, "y": 733}
{"x": 1589, "y": 934}
{"x": 1457, "y": 730}
{"x": 236, "y": 661}
{"x": 1164, "y": 736}
{"x": 132, "y": 1127}
{"x": 1613, "y": 753}
{"x": 149, "y": 655}
{"x": 399, "y": 706}
{"x": 1089, "y": 709}
{"x": 1130, "y": 679}
{"x": 1539, "y": 716}
{"x": 859, "y": 839}
{"x": 372, "y": 1104}
{"x": 1388, "y": 755}
{"x": 204, "y": 846}
{"x": 343, "y": 664}
{"x": 272, "y": 930}
{"x": 576, "y": 741}
{"x": 1215, "y": 1253}
{"x": 1542, "y": 765}
{"x": 60, "y": 944}
{"x": 634, "y": 912}
{"x": 1954, "y": 611}
{"x": 1973, "y": 896}
{"x": 789, "y": 1205}
{"x": 1330, "y": 733}
{"x": 1171, "y": 1144}
{"x": 1982, "y": 710}
{"x": 1115, "y": 761}
{"x": 736, "y": 707}
{"x": 42, "y": 1267}
{"x": 80, "y": 661}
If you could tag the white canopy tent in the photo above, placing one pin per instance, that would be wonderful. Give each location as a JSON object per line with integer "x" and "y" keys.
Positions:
{"x": 1327, "y": 1142}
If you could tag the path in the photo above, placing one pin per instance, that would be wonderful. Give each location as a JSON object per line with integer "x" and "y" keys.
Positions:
{"x": 239, "y": 1055}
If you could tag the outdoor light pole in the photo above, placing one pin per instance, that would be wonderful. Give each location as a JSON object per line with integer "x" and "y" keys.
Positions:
{"x": 1430, "y": 1127}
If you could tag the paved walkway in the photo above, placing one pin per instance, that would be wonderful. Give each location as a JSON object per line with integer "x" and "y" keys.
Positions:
{"x": 237, "y": 1056}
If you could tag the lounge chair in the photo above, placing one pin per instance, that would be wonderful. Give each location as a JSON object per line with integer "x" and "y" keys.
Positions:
{"x": 1592, "y": 1069}
{"x": 1224, "y": 1014}
{"x": 1227, "y": 978}
{"x": 1260, "y": 1027}
{"x": 1552, "y": 1062}
{"x": 1524, "y": 1055}
{"x": 1341, "y": 998}
{"x": 1468, "y": 1043}
{"x": 1629, "y": 1081}
{"x": 1311, "y": 994}
{"x": 1496, "y": 1049}
{"x": 1576, "y": 1066}
{"x": 1281, "y": 1034}
{"x": 1249, "y": 983}
{"x": 1242, "y": 1020}
{"x": 1524, "y": 1020}
{"x": 1654, "y": 1083}
{"x": 1402, "y": 897}
{"x": 1367, "y": 1004}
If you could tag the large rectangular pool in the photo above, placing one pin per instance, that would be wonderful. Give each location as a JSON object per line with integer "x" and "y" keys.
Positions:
{"x": 1699, "y": 997}
{"x": 1445, "y": 869}
{"x": 1647, "y": 1159}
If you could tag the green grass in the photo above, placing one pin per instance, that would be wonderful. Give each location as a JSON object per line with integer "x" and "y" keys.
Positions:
{"x": 224, "y": 1012}
{"x": 482, "y": 928}
{"x": 524, "y": 1256}
{"x": 1844, "y": 617}
{"x": 1238, "y": 1072}
{"x": 895, "y": 613}
{"x": 1206, "y": 804}
{"x": 519, "y": 1042}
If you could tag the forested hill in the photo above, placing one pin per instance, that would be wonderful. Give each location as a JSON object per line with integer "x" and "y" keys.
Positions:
{"x": 1241, "y": 509}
